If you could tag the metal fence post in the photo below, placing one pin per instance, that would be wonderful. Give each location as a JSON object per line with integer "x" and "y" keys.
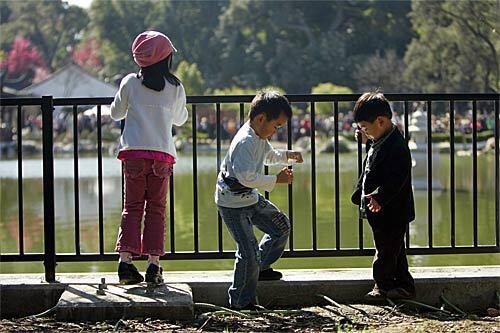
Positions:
{"x": 48, "y": 189}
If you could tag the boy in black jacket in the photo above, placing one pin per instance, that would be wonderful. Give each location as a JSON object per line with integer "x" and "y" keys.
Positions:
{"x": 385, "y": 195}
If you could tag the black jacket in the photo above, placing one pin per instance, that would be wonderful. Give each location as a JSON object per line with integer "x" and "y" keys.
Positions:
{"x": 390, "y": 172}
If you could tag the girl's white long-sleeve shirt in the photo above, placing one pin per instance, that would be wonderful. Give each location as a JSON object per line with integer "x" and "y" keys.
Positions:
{"x": 149, "y": 115}
{"x": 247, "y": 155}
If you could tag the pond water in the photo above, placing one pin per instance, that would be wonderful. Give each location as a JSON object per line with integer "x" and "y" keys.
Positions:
{"x": 183, "y": 180}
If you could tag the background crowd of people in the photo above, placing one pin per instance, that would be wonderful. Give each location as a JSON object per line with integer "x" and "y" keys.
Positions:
{"x": 207, "y": 126}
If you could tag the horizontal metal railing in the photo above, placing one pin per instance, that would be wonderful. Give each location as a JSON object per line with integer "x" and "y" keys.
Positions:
{"x": 50, "y": 257}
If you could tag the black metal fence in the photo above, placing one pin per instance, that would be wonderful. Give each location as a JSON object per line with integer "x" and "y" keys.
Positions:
{"x": 50, "y": 257}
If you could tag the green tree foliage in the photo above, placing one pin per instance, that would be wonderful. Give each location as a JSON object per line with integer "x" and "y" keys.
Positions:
{"x": 190, "y": 25}
{"x": 234, "y": 90}
{"x": 275, "y": 43}
{"x": 457, "y": 47}
{"x": 377, "y": 26}
{"x": 191, "y": 78}
{"x": 298, "y": 43}
{"x": 116, "y": 24}
{"x": 330, "y": 88}
{"x": 327, "y": 88}
{"x": 384, "y": 72}
{"x": 446, "y": 45}
{"x": 51, "y": 25}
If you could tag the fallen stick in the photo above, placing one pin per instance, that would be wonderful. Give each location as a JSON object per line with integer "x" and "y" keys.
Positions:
{"x": 422, "y": 305}
{"x": 339, "y": 313}
{"x": 46, "y": 313}
{"x": 363, "y": 312}
{"x": 119, "y": 323}
{"x": 221, "y": 308}
{"x": 329, "y": 300}
{"x": 454, "y": 307}
{"x": 204, "y": 324}
{"x": 391, "y": 302}
{"x": 257, "y": 312}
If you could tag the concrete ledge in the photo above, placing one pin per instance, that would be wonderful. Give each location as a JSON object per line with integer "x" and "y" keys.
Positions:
{"x": 27, "y": 298}
{"x": 469, "y": 287}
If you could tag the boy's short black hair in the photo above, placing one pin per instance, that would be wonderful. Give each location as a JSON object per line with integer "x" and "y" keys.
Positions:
{"x": 270, "y": 103}
{"x": 370, "y": 106}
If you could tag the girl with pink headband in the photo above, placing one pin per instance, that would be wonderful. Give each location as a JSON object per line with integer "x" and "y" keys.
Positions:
{"x": 150, "y": 102}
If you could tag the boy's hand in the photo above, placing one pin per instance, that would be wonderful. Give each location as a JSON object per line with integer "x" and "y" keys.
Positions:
{"x": 294, "y": 155}
{"x": 373, "y": 205}
{"x": 285, "y": 176}
{"x": 360, "y": 136}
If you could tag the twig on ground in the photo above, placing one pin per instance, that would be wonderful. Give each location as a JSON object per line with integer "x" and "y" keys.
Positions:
{"x": 204, "y": 324}
{"x": 454, "y": 307}
{"x": 426, "y": 306}
{"x": 149, "y": 325}
{"x": 331, "y": 301}
{"x": 347, "y": 305}
{"x": 363, "y": 312}
{"x": 281, "y": 312}
{"x": 257, "y": 312}
{"x": 221, "y": 308}
{"x": 391, "y": 302}
{"x": 119, "y": 323}
{"x": 394, "y": 307}
{"x": 46, "y": 313}
{"x": 339, "y": 313}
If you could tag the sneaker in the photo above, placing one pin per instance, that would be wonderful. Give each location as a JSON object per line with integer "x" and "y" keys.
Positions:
{"x": 154, "y": 274}
{"x": 375, "y": 295}
{"x": 269, "y": 275}
{"x": 128, "y": 274}
{"x": 400, "y": 293}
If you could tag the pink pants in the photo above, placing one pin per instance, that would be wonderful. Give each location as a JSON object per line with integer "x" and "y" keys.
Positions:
{"x": 146, "y": 182}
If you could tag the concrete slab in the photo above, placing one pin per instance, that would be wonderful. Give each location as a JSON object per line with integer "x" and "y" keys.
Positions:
{"x": 469, "y": 287}
{"x": 87, "y": 302}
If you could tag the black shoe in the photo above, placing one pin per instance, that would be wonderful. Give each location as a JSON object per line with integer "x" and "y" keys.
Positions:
{"x": 269, "y": 275}
{"x": 154, "y": 274}
{"x": 400, "y": 293}
{"x": 376, "y": 295}
{"x": 128, "y": 274}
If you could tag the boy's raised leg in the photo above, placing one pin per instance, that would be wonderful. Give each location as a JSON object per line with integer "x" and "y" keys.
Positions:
{"x": 269, "y": 219}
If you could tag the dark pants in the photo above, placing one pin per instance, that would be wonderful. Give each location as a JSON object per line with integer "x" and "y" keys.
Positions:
{"x": 390, "y": 266}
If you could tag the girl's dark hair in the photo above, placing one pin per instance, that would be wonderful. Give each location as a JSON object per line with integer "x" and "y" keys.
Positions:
{"x": 154, "y": 76}
{"x": 370, "y": 106}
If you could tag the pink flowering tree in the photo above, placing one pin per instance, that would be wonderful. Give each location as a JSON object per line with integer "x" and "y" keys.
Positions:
{"x": 86, "y": 56}
{"x": 22, "y": 63}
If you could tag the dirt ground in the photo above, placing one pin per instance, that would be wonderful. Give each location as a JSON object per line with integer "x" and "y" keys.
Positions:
{"x": 329, "y": 318}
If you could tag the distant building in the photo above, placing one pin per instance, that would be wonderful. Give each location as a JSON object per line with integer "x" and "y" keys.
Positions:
{"x": 71, "y": 81}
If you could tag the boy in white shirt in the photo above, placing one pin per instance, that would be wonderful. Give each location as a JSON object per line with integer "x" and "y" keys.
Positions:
{"x": 242, "y": 206}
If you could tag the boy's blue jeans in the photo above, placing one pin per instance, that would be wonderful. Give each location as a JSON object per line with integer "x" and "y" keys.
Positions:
{"x": 250, "y": 257}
